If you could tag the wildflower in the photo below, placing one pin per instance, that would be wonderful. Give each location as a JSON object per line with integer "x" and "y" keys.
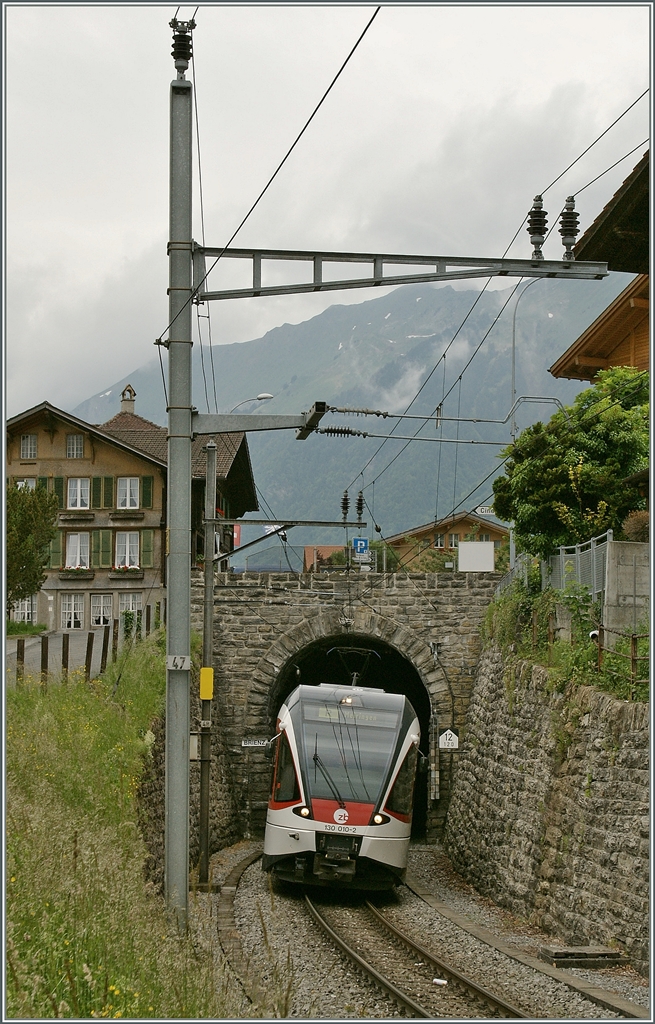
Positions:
{"x": 13, "y": 878}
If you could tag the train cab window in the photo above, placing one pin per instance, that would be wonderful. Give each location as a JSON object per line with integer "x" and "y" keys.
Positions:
{"x": 285, "y": 783}
{"x": 401, "y": 796}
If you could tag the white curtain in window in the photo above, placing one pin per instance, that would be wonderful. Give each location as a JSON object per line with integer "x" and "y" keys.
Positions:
{"x": 72, "y": 611}
{"x": 128, "y": 492}
{"x": 127, "y": 548}
{"x": 101, "y": 609}
{"x": 78, "y": 492}
{"x": 77, "y": 550}
{"x": 129, "y": 602}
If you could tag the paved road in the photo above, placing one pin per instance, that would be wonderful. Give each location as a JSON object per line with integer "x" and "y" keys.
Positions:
{"x": 76, "y": 653}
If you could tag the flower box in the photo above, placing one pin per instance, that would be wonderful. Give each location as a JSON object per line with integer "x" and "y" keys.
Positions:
{"x": 76, "y": 574}
{"x": 125, "y": 572}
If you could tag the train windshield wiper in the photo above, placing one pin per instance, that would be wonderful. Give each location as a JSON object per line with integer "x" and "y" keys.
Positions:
{"x": 328, "y": 778}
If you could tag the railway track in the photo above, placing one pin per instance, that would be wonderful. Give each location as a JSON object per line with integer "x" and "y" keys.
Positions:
{"x": 417, "y": 981}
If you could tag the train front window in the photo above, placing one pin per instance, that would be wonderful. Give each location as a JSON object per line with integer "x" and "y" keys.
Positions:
{"x": 348, "y": 750}
{"x": 285, "y": 783}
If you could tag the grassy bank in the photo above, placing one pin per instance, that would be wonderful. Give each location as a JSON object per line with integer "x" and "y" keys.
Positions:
{"x": 521, "y": 622}
{"x": 87, "y": 936}
{"x": 24, "y": 628}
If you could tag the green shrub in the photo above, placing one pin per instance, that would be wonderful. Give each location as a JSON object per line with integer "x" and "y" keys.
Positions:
{"x": 24, "y": 628}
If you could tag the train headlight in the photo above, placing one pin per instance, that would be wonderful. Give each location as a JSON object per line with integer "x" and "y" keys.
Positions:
{"x": 346, "y": 700}
{"x": 380, "y": 819}
{"x": 303, "y": 811}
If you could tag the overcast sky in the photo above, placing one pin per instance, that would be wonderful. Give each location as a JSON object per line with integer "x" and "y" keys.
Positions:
{"x": 445, "y": 124}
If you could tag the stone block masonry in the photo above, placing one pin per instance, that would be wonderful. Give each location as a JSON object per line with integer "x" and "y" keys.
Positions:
{"x": 263, "y": 620}
{"x": 549, "y": 814}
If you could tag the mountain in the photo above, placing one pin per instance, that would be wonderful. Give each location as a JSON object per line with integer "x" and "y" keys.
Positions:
{"x": 378, "y": 354}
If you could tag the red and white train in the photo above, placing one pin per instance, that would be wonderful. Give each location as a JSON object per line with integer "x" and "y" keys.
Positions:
{"x": 340, "y": 810}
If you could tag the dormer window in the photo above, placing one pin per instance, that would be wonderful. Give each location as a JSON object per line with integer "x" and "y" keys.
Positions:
{"x": 74, "y": 446}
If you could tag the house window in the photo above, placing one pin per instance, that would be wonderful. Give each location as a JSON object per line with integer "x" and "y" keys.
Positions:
{"x": 72, "y": 611}
{"x": 101, "y": 609}
{"x": 129, "y": 602}
{"x": 484, "y": 536}
{"x": 127, "y": 548}
{"x": 28, "y": 446}
{"x": 77, "y": 550}
{"x": 127, "y": 492}
{"x": 78, "y": 492}
{"x": 497, "y": 544}
{"x": 26, "y": 483}
{"x": 25, "y": 609}
{"x": 439, "y": 540}
{"x": 453, "y": 540}
{"x": 74, "y": 446}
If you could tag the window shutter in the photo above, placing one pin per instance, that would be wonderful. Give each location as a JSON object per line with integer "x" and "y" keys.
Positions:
{"x": 105, "y": 548}
{"x": 58, "y": 487}
{"x": 146, "y": 491}
{"x": 55, "y": 551}
{"x": 42, "y": 482}
{"x": 96, "y": 492}
{"x": 147, "y": 548}
{"x": 108, "y": 492}
{"x": 95, "y": 545}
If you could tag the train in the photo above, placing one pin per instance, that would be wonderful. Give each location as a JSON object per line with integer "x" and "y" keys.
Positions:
{"x": 340, "y": 808}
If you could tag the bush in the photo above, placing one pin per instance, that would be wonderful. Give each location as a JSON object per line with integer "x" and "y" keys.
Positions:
{"x": 24, "y": 628}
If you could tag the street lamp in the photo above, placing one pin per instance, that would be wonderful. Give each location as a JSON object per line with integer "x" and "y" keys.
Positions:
{"x": 260, "y": 398}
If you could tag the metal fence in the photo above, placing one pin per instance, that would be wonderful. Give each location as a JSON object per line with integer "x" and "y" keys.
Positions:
{"x": 583, "y": 563}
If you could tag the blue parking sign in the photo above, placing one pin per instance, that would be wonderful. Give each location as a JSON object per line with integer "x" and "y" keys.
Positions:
{"x": 360, "y": 545}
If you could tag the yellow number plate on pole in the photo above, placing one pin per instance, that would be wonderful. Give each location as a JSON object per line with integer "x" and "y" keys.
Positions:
{"x": 206, "y": 683}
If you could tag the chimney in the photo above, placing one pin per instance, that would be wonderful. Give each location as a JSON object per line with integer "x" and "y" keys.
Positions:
{"x": 128, "y": 394}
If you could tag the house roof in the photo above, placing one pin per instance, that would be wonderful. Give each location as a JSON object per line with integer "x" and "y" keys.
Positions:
{"x": 620, "y": 234}
{"x": 592, "y": 351}
{"x": 147, "y": 440}
{"x": 449, "y": 523}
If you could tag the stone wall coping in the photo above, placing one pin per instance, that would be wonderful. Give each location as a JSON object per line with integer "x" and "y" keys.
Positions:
{"x": 597, "y": 995}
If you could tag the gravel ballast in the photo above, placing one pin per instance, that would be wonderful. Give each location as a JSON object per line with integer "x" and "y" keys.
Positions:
{"x": 304, "y": 976}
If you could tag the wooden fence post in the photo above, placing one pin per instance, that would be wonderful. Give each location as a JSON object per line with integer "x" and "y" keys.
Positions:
{"x": 65, "y": 645}
{"x": 148, "y": 616}
{"x": 20, "y": 659}
{"x": 89, "y": 655}
{"x": 601, "y": 648}
{"x": 44, "y": 661}
{"x": 105, "y": 648}
{"x": 633, "y": 662}
{"x": 114, "y": 640}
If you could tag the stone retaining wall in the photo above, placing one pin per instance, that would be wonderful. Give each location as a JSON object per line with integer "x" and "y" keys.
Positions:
{"x": 550, "y": 804}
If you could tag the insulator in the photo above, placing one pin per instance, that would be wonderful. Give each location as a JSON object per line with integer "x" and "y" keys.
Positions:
{"x": 360, "y": 506}
{"x": 338, "y": 431}
{"x": 378, "y": 529}
{"x": 537, "y": 220}
{"x": 181, "y": 51}
{"x": 569, "y": 227}
{"x": 345, "y": 505}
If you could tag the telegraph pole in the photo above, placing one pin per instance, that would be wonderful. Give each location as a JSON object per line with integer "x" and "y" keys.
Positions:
{"x": 178, "y": 633}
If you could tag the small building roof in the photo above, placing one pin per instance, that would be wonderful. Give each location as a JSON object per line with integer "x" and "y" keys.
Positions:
{"x": 448, "y": 524}
{"x": 620, "y": 234}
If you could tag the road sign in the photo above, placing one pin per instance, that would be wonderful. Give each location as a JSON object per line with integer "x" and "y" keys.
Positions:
{"x": 360, "y": 545}
{"x": 448, "y": 739}
{"x": 484, "y": 510}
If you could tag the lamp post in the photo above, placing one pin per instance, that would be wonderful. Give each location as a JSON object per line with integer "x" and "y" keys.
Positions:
{"x": 260, "y": 398}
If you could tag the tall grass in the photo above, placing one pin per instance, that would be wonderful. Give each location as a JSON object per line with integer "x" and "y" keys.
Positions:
{"x": 87, "y": 936}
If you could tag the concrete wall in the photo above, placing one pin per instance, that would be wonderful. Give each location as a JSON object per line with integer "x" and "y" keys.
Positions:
{"x": 627, "y": 587}
{"x": 549, "y": 814}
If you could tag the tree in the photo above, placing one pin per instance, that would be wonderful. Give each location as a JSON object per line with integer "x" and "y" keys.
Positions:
{"x": 31, "y": 518}
{"x": 563, "y": 481}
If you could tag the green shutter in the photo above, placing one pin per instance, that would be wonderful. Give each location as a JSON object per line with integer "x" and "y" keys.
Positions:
{"x": 147, "y": 548}
{"x": 108, "y": 492}
{"x": 146, "y": 491}
{"x": 95, "y": 545}
{"x": 96, "y": 492}
{"x": 58, "y": 487}
{"x": 105, "y": 548}
{"x": 55, "y": 551}
{"x": 42, "y": 483}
